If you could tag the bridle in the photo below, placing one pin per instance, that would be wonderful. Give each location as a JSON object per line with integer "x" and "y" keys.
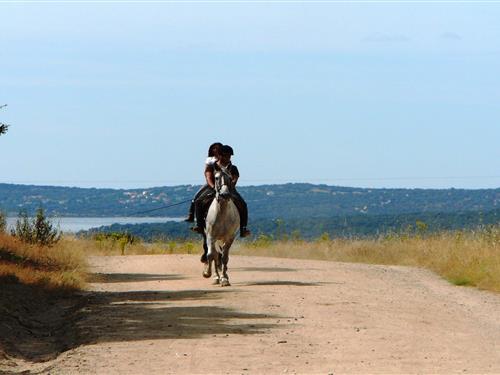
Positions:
{"x": 223, "y": 183}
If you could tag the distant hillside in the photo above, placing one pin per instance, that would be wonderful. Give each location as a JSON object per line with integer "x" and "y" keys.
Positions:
{"x": 290, "y": 201}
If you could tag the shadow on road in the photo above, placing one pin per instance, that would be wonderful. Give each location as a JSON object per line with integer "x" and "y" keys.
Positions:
{"x": 147, "y": 315}
{"x": 264, "y": 269}
{"x": 37, "y": 326}
{"x": 277, "y": 282}
{"x": 130, "y": 277}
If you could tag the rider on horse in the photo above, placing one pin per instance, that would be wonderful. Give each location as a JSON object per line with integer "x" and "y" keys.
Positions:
{"x": 219, "y": 157}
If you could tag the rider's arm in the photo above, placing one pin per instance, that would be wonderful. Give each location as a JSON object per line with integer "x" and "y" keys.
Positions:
{"x": 235, "y": 174}
{"x": 209, "y": 176}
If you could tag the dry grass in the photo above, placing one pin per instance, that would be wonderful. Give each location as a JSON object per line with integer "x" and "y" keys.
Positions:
{"x": 463, "y": 258}
{"x": 59, "y": 267}
{"x": 109, "y": 247}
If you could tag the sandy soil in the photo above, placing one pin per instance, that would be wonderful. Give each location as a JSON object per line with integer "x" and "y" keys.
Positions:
{"x": 156, "y": 314}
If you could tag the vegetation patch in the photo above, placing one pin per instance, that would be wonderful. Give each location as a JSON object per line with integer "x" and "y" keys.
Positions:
{"x": 463, "y": 257}
{"x": 461, "y": 281}
{"x": 469, "y": 257}
{"x": 39, "y": 300}
{"x": 57, "y": 268}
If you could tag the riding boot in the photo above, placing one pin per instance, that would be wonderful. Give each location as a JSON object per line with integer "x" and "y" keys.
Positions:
{"x": 243, "y": 211}
{"x": 203, "y": 190}
{"x": 190, "y": 218}
{"x": 244, "y": 232}
{"x": 200, "y": 217}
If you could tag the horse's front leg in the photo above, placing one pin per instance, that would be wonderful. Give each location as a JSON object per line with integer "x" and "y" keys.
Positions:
{"x": 203, "y": 258}
{"x": 207, "y": 272}
{"x": 218, "y": 268}
{"x": 225, "y": 259}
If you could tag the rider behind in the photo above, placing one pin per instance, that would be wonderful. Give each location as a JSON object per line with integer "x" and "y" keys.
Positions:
{"x": 213, "y": 156}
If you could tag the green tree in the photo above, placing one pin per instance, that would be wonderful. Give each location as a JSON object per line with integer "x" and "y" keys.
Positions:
{"x": 38, "y": 231}
{"x": 44, "y": 232}
{"x": 3, "y": 222}
{"x": 22, "y": 229}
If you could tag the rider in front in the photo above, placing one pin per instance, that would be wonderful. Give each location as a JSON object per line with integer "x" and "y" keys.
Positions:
{"x": 205, "y": 198}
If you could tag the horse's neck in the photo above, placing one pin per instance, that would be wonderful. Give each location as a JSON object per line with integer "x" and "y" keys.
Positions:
{"x": 220, "y": 207}
{"x": 224, "y": 169}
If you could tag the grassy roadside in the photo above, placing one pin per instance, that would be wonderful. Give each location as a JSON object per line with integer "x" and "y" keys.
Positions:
{"x": 56, "y": 268}
{"x": 462, "y": 257}
{"x": 469, "y": 258}
{"x": 39, "y": 301}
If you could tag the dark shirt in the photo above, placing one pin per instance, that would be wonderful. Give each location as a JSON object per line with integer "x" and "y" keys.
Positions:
{"x": 231, "y": 168}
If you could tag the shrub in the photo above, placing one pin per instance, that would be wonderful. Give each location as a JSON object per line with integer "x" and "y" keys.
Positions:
{"x": 3, "y": 222}
{"x": 121, "y": 238}
{"x": 38, "y": 231}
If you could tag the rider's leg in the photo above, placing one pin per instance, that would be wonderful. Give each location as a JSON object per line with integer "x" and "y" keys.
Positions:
{"x": 200, "y": 216}
{"x": 190, "y": 217}
{"x": 241, "y": 205}
{"x": 201, "y": 206}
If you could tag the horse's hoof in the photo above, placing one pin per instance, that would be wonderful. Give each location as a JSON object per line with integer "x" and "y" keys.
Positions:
{"x": 225, "y": 282}
{"x": 207, "y": 273}
{"x": 216, "y": 281}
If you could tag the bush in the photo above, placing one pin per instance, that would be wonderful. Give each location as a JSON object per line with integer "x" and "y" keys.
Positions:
{"x": 121, "y": 238}
{"x": 38, "y": 231}
{"x": 3, "y": 222}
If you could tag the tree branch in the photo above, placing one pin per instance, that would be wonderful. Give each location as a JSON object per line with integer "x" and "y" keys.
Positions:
{"x": 3, "y": 128}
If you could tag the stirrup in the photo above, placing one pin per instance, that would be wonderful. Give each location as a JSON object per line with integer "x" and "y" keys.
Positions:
{"x": 189, "y": 219}
{"x": 197, "y": 230}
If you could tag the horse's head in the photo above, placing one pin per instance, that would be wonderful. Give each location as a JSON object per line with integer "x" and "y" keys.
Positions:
{"x": 223, "y": 184}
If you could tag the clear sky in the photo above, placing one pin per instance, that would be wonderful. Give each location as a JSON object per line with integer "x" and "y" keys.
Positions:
{"x": 370, "y": 94}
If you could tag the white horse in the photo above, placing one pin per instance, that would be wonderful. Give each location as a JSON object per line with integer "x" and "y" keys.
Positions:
{"x": 222, "y": 224}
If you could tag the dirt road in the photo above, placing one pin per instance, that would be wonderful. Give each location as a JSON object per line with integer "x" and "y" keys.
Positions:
{"x": 156, "y": 314}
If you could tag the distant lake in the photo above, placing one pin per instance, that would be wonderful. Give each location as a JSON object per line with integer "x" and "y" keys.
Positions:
{"x": 75, "y": 224}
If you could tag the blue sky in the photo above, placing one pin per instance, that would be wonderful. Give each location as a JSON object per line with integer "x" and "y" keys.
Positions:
{"x": 364, "y": 94}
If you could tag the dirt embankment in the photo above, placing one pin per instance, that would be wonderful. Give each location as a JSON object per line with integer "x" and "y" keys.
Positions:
{"x": 36, "y": 325}
{"x": 156, "y": 314}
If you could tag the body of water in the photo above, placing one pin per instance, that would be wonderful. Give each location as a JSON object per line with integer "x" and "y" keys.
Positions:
{"x": 75, "y": 224}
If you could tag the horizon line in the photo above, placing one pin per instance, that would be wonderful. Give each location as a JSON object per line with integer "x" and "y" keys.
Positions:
{"x": 319, "y": 182}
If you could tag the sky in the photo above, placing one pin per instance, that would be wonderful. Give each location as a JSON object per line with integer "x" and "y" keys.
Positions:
{"x": 367, "y": 94}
